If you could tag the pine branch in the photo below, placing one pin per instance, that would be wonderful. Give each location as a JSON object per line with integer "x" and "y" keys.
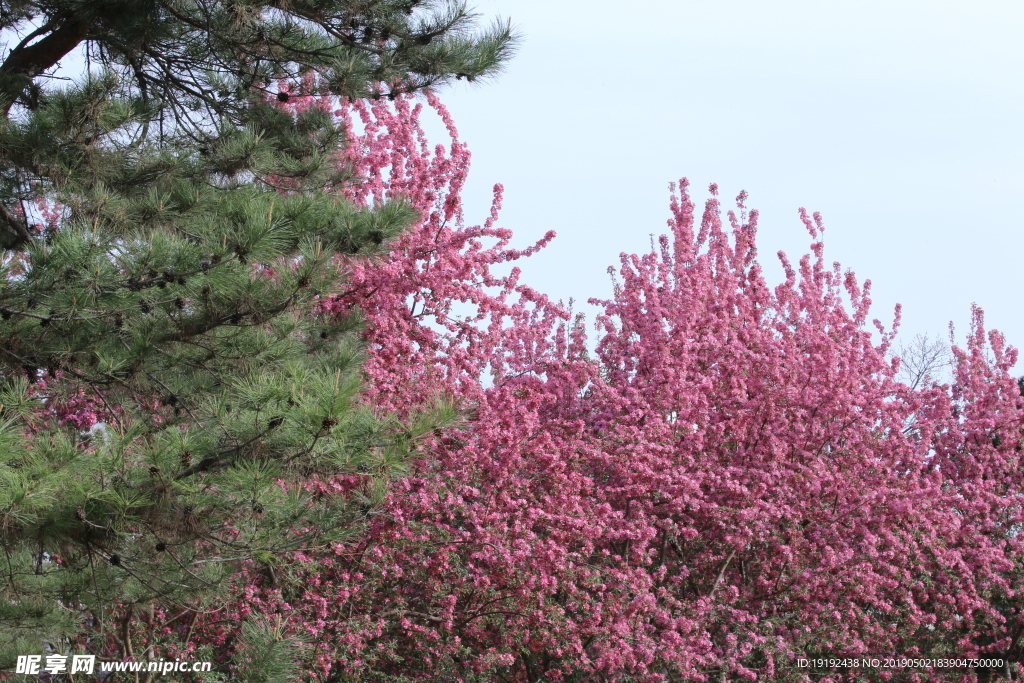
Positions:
{"x": 13, "y": 232}
{"x": 25, "y": 62}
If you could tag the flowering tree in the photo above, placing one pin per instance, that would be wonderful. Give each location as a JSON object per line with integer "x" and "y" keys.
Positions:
{"x": 733, "y": 481}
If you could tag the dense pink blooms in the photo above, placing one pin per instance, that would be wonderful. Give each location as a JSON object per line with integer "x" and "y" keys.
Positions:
{"x": 734, "y": 480}
{"x": 69, "y": 404}
{"x": 730, "y": 479}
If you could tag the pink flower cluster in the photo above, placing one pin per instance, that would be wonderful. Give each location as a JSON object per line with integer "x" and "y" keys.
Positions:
{"x": 71, "y": 405}
{"x": 440, "y": 312}
{"x": 733, "y": 480}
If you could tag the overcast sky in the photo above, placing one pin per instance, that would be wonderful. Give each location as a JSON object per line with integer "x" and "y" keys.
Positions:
{"x": 900, "y": 121}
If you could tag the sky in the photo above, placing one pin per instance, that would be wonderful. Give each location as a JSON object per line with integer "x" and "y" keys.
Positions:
{"x": 900, "y": 121}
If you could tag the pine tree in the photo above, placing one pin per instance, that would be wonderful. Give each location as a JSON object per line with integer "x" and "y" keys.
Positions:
{"x": 169, "y": 386}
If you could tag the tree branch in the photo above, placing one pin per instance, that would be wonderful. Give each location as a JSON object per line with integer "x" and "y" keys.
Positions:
{"x": 25, "y": 62}
{"x": 14, "y": 233}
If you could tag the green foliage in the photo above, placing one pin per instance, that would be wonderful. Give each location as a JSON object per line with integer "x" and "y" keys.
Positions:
{"x": 193, "y": 67}
{"x": 269, "y": 657}
{"x": 205, "y": 55}
{"x": 192, "y": 229}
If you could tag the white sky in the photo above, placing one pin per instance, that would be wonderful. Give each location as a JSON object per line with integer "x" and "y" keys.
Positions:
{"x": 900, "y": 121}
